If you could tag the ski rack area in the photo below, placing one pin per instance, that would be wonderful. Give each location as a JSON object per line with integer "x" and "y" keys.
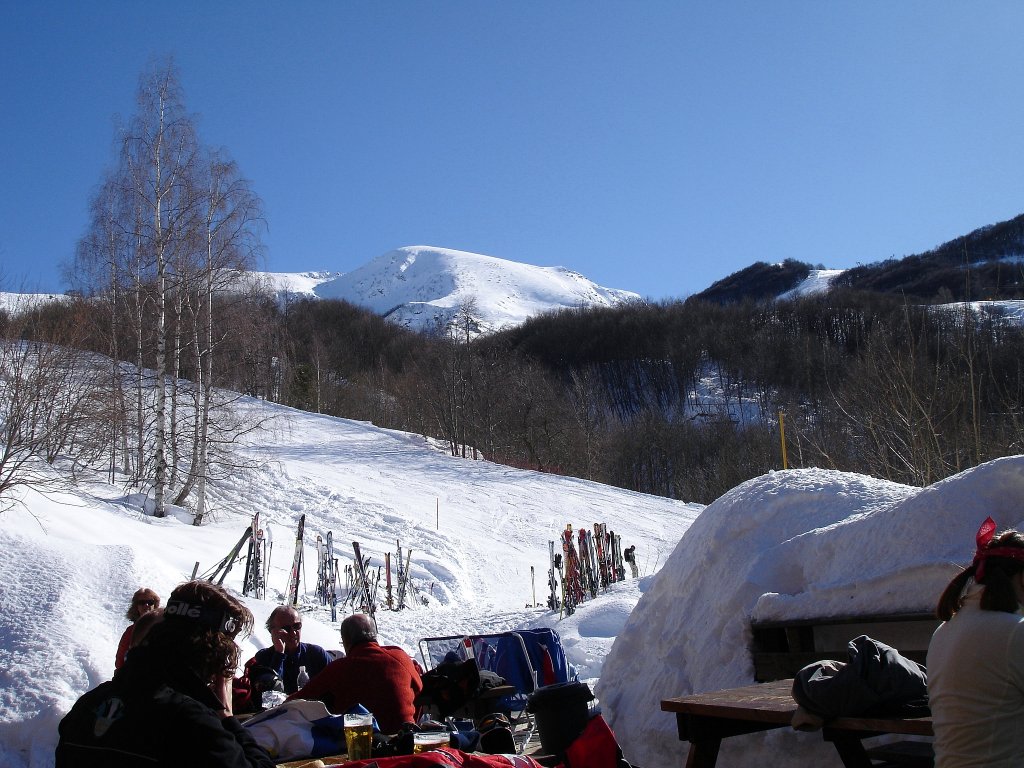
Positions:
{"x": 589, "y": 562}
{"x": 362, "y": 583}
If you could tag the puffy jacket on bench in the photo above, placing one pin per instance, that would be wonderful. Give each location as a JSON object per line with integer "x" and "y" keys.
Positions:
{"x": 876, "y": 681}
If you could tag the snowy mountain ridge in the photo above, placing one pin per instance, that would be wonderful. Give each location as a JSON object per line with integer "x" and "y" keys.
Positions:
{"x": 424, "y": 288}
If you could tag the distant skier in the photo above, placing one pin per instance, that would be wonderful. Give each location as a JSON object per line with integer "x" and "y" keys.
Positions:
{"x": 630, "y": 557}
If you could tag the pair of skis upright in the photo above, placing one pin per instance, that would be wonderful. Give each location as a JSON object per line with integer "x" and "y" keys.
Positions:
{"x": 554, "y": 567}
{"x": 368, "y": 597}
{"x": 292, "y": 592}
{"x": 572, "y": 576}
{"x": 402, "y": 575}
{"x": 257, "y": 561}
{"x": 327, "y": 574}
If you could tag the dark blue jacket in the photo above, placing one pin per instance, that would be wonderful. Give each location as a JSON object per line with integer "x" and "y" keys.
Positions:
{"x": 312, "y": 657}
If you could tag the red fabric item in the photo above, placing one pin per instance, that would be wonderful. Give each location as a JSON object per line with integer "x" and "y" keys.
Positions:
{"x": 381, "y": 678}
{"x": 985, "y": 533}
{"x": 241, "y": 691}
{"x": 547, "y": 667}
{"x": 448, "y": 757}
{"x": 596, "y": 747}
{"x": 982, "y": 539}
{"x": 123, "y": 645}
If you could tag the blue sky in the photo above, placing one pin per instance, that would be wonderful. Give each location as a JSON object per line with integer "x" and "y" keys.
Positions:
{"x": 652, "y": 146}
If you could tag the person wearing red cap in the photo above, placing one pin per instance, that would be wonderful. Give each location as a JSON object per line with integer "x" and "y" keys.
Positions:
{"x": 976, "y": 658}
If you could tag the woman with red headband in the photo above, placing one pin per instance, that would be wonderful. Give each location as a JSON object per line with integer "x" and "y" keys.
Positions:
{"x": 976, "y": 658}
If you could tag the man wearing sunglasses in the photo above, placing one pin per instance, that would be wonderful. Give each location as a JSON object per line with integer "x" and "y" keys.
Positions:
{"x": 288, "y": 652}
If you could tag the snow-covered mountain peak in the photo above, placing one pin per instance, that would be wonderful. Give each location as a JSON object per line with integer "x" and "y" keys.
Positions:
{"x": 424, "y": 287}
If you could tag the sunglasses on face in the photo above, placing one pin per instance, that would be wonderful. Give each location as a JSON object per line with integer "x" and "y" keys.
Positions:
{"x": 291, "y": 627}
{"x": 150, "y": 603}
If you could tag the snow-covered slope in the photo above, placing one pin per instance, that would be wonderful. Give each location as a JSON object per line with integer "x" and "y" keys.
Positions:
{"x": 478, "y": 534}
{"x": 780, "y": 546}
{"x": 298, "y": 284}
{"x": 21, "y": 302}
{"x": 423, "y": 288}
{"x": 818, "y": 281}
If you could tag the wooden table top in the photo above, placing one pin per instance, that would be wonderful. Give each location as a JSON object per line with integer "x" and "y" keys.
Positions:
{"x": 762, "y": 702}
{"x": 773, "y": 703}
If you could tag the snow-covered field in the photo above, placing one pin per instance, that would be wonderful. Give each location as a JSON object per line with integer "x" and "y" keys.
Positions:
{"x": 20, "y": 302}
{"x": 788, "y": 544}
{"x": 69, "y": 564}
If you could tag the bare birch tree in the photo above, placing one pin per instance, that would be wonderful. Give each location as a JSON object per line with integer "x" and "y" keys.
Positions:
{"x": 173, "y": 225}
{"x": 231, "y": 240}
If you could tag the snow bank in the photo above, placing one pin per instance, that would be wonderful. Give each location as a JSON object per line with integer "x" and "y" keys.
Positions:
{"x": 803, "y": 543}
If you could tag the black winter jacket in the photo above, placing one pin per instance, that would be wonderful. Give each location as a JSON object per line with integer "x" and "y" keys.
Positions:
{"x": 876, "y": 681}
{"x": 150, "y": 717}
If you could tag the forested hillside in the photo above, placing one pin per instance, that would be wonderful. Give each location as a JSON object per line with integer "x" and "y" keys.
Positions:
{"x": 986, "y": 264}
{"x": 757, "y": 282}
{"x": 682, "y": 399}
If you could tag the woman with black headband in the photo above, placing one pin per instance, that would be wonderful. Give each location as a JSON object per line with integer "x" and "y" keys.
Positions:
{"x": 976, "y": 658}
{"x": 170, "y": 703}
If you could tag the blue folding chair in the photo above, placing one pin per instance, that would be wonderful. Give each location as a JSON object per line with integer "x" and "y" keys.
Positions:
{"x": 547, "y": 657}
{"x": 526, "y": 659}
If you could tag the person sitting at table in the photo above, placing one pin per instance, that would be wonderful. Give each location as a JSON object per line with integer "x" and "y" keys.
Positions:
{"x": 976, "y": 658}
{"x": 170, "y": 703}
{"x": 143, "y": 601}
{"x": 288, "y": 652}
{"x": 142, "y": 626}
{"x": 384, "y": 679}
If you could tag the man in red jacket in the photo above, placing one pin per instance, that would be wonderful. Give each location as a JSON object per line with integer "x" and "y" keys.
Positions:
{"x": 383, "y": 679}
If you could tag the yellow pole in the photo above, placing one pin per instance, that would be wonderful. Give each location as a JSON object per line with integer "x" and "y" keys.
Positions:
{"x": 782, "y": 436}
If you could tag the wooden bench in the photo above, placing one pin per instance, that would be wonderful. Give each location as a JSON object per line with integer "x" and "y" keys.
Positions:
{"x": 780, "y": 649}
{"x": 704, "y": 719}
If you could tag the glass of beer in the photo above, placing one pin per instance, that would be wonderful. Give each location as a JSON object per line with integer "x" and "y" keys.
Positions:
{"x": 427, "y": 740}
{"x": 358, "y": 736}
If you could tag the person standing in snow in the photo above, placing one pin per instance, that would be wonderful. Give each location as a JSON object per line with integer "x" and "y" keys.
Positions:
{"x": 629, "y": 555}
{"x": 288, "y": 653}
{"x": 384, "y": 679}
{"x": 976, "y": 658}
{"x": 143, "y": 601}
{"x": 170, "y": 703}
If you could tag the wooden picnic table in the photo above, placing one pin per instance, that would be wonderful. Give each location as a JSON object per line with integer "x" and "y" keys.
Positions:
{"x": 704, "y": 719}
